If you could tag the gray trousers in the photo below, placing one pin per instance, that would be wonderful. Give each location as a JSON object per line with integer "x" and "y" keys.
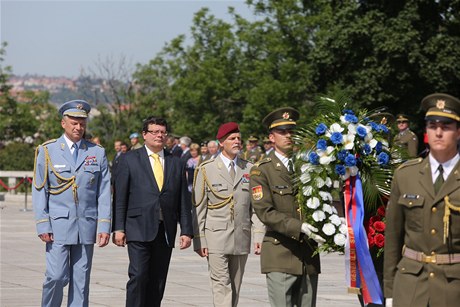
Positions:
{"x": 292, "y": 290}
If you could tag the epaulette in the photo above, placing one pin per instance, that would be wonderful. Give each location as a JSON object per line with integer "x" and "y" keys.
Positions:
{"x": 206, "y": 162}
{"x": 410, "y": 131}
{"x": 46, "y": 143}
{"x": 411, "y": 162}
{"x": 264, "y": 160}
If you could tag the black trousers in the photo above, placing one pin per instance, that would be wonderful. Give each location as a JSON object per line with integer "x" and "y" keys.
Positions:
{"x": 148, "y": 269}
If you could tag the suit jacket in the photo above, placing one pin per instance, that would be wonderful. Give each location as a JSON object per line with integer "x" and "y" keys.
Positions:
{"x": 414, "y": 218}
{"x": 138, "y": 199}
{"x": 226, "y": 228}
{"x": 114, "y": 167}
{"x": 284, "y": 248}
{"x": 72, "y": 218}
{"x": 176, "y": 151}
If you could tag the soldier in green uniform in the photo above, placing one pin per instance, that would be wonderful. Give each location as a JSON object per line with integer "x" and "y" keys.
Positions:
{"x": 406, "y": 138}
{"x": 422, "y": 245}
{"x": 287, "y": 248}
{"x": 253, "y": 153}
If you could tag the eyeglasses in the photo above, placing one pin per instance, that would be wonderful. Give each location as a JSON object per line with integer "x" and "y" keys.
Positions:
{"x": 157, "y": 132}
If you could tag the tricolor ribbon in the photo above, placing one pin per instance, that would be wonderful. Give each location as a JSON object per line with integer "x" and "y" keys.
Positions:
{"x": 360, "y": 271}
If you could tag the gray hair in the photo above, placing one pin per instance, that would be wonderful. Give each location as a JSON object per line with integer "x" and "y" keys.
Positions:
{"x": 185, "y": 140}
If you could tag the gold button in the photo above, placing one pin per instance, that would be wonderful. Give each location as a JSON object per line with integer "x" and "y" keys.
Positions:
{"x": 403, "y": 269}
{"x": 431, "y": 274}
{"x": 433, "y": 231}
{"x": 410, "y": 203}
{"x": 281, "y": 192}
{"x": 276, "y": 240}
{"x": 434, "y": 209}
{"x": 433, "y": 253}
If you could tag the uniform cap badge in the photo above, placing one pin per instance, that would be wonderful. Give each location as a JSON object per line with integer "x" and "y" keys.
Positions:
{"x": 286, "y": 115}
{"x": 440, "y": 104}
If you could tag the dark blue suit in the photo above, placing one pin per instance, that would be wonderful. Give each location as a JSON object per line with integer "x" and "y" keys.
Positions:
{"x": 137, "y": 212}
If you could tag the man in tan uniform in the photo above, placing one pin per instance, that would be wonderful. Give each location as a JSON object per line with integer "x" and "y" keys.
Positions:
{"x": 422, "y": 246}
{"x": 287, "y": 248}
{"x": 406, "y": 138}
{"x": 222, "y": 216}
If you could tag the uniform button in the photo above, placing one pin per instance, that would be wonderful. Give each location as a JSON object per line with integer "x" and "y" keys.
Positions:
{"x": 433, "y": 253}
{"x": 434, "y": 209}
{"x": 403, "y": 269}
{"x": 431, "y": 274}
{"x": 410, "y": 203}
{"x": 281, "y": 192}
{"x": 276, "y": 240}
{"x": 433, "y": 231}
{"x": 293, "y": 237}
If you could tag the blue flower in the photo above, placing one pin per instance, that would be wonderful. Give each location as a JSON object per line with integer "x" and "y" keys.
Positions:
{"x": 383, "y": 158}
{"x": 337, "y": 138}
{"x": 384, "y": 128}
{"x": 375, "y": 126}
{"x": 340, "y": 169}
{"x": 348, "y": 111}
{"x": 378, "y": 147}
{"x": 341, "y": 155}
{"x": 321, "y": 144}
{"x": 321, "y": 129}
{"x": 314, "y": 158}
{"x": 367, "y": 149}
{"x": 350, "y": 160}
{"x": 351, "y": 118}
{"x": 361, "y": 131}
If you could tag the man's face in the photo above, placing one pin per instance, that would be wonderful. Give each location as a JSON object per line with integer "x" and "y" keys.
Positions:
{"x": 267, "y": 146}
{"x": 74, "y": 127}
{"x": 403, "y": 125}
{"x": 117, "y": 146}
{"x": 134, "y": 141}
{"x": 282, "y": 139}
{"x": 204, "y": 150}
{"x": 442, "y": 137}
{"x": 155, "y": 137}
{"x": 231, "y": 145}
{"x": 124, "y": 148}
{"x": 252, "y": 144}
{"x": 169, "y": 143}
{"x": 212, "y": 148}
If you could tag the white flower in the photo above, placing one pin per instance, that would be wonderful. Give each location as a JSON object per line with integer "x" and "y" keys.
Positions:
{"x": 325, "y": 195}
{"x": 307, "y": 167}
{"x": 335, "y": 219}
{"x": 318, "y": 216}
{"x": 319, "y": 182}
{"x": 343, "y": 229}
{"x": 336, "y": 184}
{"x": 349, "y": 141}
{"x": 340, "y": 239}
{"x": 307, "y": 190}
{"x": 305, "y": 177}
{"x": 328, "y": 229}
{"x": 313, "y": 203}
{"x": 327, "y": 208}
{"x": 368, "y": 137}
{"x": 343, "y": 120}
{"x": 334, "y": 128}
{"x": 373, "y": 143}
{"x": 328, "y": 182}
{"x": 326, "y": 156}
{"x": 334, "y": 210}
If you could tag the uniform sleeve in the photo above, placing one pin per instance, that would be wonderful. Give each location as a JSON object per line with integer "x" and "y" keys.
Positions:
{"x": 199, "y": 210}
{"x": 104, "y": 214}
{"x": 186, "y": 227}
{"x": 121, "y": 193}
{"x": 412, "y": 146}
{"x": 394, "y": 237}
{"x": 265, "y": 208}
{"x": 40, "y": 196}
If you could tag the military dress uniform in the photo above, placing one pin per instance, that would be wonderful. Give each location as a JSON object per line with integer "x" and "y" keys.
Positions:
{"x": 71, "y": 200}
{"x": 223, "y": 218}
{"x": 422, "y": 244}
{"x": 406, "y": 139}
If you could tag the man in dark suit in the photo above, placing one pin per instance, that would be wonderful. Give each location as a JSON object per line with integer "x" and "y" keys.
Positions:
{"x": 151, "y": 200}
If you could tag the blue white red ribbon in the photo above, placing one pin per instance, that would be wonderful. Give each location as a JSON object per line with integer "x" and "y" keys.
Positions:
{"x": 360, "y": 271}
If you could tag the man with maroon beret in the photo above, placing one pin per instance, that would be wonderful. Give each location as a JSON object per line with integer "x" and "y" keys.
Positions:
{"x": 222, "y": 216}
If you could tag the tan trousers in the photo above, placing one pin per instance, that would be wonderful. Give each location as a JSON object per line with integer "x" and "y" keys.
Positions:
{"x": 226, "y": 272}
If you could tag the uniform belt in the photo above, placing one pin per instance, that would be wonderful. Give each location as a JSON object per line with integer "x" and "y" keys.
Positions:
{"x": 434, "y": 258}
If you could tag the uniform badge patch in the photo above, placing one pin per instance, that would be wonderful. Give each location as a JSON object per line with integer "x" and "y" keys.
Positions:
{"x": 90, "y": 160}
{"x": 245, "y": 178}
{"x": 257, "y": 192}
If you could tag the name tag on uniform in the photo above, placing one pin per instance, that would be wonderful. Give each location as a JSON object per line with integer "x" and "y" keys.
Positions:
{"x": 59, "y": 165}
{"x": 411, "y": 196}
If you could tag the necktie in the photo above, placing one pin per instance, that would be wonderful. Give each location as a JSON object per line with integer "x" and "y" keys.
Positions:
{"x": 439, "y": 180}
{"x": 232, "y": 170}
{"x": 290, "y": 167}
{"x": 157, "y": 170}
{"x": 75, "y": 152}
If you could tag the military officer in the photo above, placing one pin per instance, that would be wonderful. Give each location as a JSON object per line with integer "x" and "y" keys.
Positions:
{"x": 422, "y": 245}
{"x": 406, "y": 138}
{"x": 288, "y": 246}
{"x": 222, "y": 216}
{"x": 253, "y": 153}
{"x": 71, "y": 199}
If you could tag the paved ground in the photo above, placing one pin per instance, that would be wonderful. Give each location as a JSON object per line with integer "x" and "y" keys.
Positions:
{"x": 22, "y": 271}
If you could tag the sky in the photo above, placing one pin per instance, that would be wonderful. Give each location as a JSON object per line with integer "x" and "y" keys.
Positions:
{"x": 61, "y": 37}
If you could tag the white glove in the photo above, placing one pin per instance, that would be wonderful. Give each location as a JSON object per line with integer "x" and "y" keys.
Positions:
{"x": 310, "y": 231}
{"x": 389, "y": 302}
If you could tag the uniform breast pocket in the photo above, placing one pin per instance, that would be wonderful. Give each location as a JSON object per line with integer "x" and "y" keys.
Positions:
{"x": 218, "y": 187}
{"x": 62, "y": 171}
{"x": 91, "y": 175}
{"x": 413, "y": 210}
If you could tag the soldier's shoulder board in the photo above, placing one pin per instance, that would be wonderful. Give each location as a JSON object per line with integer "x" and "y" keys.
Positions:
{"x": 263, "y": 161}
{"x": 411, "y": 162}
{"x": 206, "y": 162}
{"x": 49, "y": 142}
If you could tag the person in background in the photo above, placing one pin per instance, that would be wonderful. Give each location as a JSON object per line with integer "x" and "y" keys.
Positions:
{"x": 222, "y": 216}
{"x": 192, "y": 163}
{"x": 204, "y": 151}
{"x": 151, "y": 201}
{"x": 124, "y": 147}
{"x": 117, "y": 147}
{"x": 213, "y": 150}
{"x": 71, "y": 200}
{"x": 134, "y": 139}
{"x": 184, "y": 143}
{"x": 268, "y": 146}
{"x": 405, "y": 138}
{"x": 253, "y": 153}
{"x": 287, "y": 256}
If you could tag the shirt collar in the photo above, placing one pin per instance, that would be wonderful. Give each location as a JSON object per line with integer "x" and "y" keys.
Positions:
{"x": 283, "y": 159}
{"x": 160, "y": 153}
{"x": 227, "y": 160}
{"x": 70, "y": 143}
{"x": 447, "y": 166}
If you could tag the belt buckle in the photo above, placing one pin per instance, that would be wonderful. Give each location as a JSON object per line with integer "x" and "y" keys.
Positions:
{"x": 429, "y": 259}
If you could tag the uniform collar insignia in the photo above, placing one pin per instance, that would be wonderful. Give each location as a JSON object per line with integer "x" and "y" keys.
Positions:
{"x": 62, "y": 146}
{"x": 278, "y": 165}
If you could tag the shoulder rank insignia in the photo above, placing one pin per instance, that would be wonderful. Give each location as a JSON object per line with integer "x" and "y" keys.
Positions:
{"x": 49, "y": 142}
{"x": 265, "y": 160}
{"x": 257, "y": 192}
{"x": 206, "y": 162}
{"x": 255, "y": 172}
{"x": 411, "y": 162}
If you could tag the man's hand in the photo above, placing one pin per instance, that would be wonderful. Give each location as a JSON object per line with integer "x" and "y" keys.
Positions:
{"x": 119, "y": 238}
{"x": 46, "y": 237}
{"x": 185, "y": 242}
{"x": 103, "y": 239}
{"x": 257, "y": 248}
{"x": 310, "y": 231}
{"x": 203, "y": 252}
{"x": 389, "y": 302}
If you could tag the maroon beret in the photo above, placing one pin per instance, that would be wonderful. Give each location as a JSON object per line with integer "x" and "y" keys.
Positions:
{"x": 227, "y": 128}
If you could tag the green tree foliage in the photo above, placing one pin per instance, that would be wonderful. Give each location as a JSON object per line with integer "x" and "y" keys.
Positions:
{"x": 17, "y": 157}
